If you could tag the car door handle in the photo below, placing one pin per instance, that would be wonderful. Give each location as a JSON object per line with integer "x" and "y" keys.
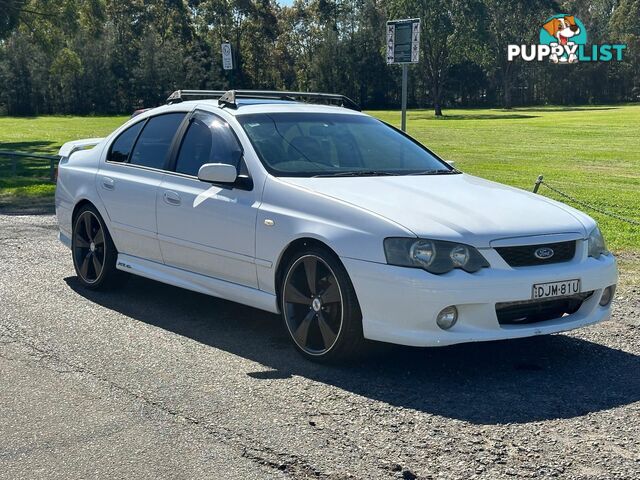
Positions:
{"x": 171, "y": 198}
{"x": 108, "y": 183}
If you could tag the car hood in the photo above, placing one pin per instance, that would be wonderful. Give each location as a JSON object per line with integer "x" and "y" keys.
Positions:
{"x": 456, "y": 207}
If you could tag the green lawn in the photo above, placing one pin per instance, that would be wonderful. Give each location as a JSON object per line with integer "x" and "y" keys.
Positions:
{"x": 592, "y": 153}
{"x": 41, "y": 135}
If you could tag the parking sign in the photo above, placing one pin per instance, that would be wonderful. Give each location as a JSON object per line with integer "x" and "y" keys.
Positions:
{"x": 403, "y": 41}
{"x": 227, "y": 56}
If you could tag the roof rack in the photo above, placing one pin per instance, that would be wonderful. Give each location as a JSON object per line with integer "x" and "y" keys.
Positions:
{"x": 229, "y": 98}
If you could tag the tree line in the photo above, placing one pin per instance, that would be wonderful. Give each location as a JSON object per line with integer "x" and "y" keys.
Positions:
{"x": 112, "y": 56}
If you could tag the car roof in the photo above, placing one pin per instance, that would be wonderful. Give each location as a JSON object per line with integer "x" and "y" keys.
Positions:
{"x": 252, "y": 106}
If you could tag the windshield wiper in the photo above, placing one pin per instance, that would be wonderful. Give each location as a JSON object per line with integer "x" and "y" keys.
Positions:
{"x": 435, "y": 172}
{"x": 358, "y": 173}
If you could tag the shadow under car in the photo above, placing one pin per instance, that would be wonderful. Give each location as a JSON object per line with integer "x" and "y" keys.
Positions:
{"x": 513, "y": 381}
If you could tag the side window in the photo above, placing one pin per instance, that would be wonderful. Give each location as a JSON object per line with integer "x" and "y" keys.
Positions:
{"x": 209, "y": 139}
{"x": 121, "y": 148}
{"x": 153, "y": 144}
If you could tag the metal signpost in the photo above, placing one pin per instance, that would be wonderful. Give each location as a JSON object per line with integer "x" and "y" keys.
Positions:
{"x": 403, "y": 47}
{"x": 227, "y": 56}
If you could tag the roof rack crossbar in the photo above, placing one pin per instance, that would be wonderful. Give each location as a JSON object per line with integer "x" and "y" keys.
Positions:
{"x": 182, "y": 95}
{"x": 228, "y": 98}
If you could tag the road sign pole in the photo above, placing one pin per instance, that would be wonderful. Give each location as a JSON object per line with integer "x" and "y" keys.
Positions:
{"x": 405, "y": 72}
{"x": 403, "y": 47}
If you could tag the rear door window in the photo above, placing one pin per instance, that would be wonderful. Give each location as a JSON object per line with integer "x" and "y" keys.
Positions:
{"x": 121, "y": 148}
{"x": 154, "y": 142}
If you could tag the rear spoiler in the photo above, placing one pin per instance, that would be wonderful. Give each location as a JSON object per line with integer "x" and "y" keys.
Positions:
{"x": 68, "y": 148}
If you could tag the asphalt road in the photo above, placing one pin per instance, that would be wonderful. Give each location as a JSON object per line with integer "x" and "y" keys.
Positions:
{"x": 156, "y": 382}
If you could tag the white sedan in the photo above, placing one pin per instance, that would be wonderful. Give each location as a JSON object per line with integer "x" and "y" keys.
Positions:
{"x": 349, "y": 228}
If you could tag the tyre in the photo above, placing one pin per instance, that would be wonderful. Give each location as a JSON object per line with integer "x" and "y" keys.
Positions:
{"x": 320, "y": 308}
{"x": 93, "y": 251}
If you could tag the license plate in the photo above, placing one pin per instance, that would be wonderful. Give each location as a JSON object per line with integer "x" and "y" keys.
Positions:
{"x": 555, "y": 289}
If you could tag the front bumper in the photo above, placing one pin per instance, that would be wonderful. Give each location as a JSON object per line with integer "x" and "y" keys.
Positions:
{"x": 400, "y": 305}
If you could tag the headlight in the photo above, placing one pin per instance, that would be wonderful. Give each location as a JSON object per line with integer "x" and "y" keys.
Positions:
{"x": 434, "y": 256}
{"x": 597, "y": 246}
{"x": 423, "y": 252}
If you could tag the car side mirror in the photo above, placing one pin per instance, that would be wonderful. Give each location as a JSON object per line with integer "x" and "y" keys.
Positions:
{"x": 451, "y": 162}
{"x": 217, "y": 173}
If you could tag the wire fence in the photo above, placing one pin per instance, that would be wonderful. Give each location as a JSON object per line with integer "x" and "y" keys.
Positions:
{"x": 542, "y": 181}
{"x": 28, "y": 164}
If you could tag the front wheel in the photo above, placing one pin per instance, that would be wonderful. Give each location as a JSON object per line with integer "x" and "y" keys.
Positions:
{"x": 320, "y": 308}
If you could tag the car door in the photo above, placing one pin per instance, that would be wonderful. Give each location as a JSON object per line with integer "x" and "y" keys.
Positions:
{"x": 128, "y": 180}
{"x": 205, "y": 228}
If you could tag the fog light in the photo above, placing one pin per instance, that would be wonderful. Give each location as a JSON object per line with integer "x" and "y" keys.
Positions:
{"x": 447, "y": 318}
{"x": 607, "y": 295}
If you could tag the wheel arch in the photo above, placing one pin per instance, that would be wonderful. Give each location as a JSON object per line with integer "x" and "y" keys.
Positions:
{"x": 103, "y": 215}
{"x": 77, "y": 208}
{"x": 289, "y": 251}
{"x": 95, "y": 203}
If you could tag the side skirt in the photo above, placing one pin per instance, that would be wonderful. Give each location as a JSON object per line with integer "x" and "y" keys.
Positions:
{"x": 66, "y": 241}
{"x": 198, "y": 283}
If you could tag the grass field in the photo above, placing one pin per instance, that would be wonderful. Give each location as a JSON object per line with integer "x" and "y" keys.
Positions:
{"x": 41, "y": 135}
{"x": 592, "y": 153}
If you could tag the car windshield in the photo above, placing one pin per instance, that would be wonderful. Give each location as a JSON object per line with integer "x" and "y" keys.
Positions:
{"x": 321, "y": 144}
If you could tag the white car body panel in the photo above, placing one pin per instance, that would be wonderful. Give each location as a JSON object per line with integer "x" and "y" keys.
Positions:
{"x": 75, "y": 183}
{"x": 223, "y": 246}
{"x": 228, "y": 242}
{"x": 198, "y": 283}
{"x": 381, "y": 287}
{"x": 351, "y": 231}
{"x": 457, "y": 208}
{"x": 71, "y": 147}
{"x": 129, "y": 197}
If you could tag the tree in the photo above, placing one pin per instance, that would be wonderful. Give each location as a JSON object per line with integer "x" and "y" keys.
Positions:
{"x": 66, "y": 70}
{"x": 10, "y": 11}
{"x": 108, "y": 56}
{"x": 625, "y": 26}
{"x": 447, "y": 28}
{"x": 499, "y": 14}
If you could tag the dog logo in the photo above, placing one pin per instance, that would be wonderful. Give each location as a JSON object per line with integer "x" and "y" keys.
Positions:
{"x": 566, "y": 32}
{"x": 544, "y": 253}
{"x": 563, "y": 40}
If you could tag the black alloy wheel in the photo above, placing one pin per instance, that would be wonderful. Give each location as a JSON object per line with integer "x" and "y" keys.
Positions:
{"x": 88, "y": 247}
{"x": 93, "y": 251}
{"x": 319, "y": 307}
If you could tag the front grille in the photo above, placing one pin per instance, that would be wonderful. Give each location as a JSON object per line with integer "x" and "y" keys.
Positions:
{"x": 525, "y": 256}
{"x": 531, "y": 311}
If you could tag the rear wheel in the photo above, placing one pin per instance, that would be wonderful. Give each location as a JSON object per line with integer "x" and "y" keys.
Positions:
{"x": 320, "y": 308}
{"x": 93, "y": 251}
